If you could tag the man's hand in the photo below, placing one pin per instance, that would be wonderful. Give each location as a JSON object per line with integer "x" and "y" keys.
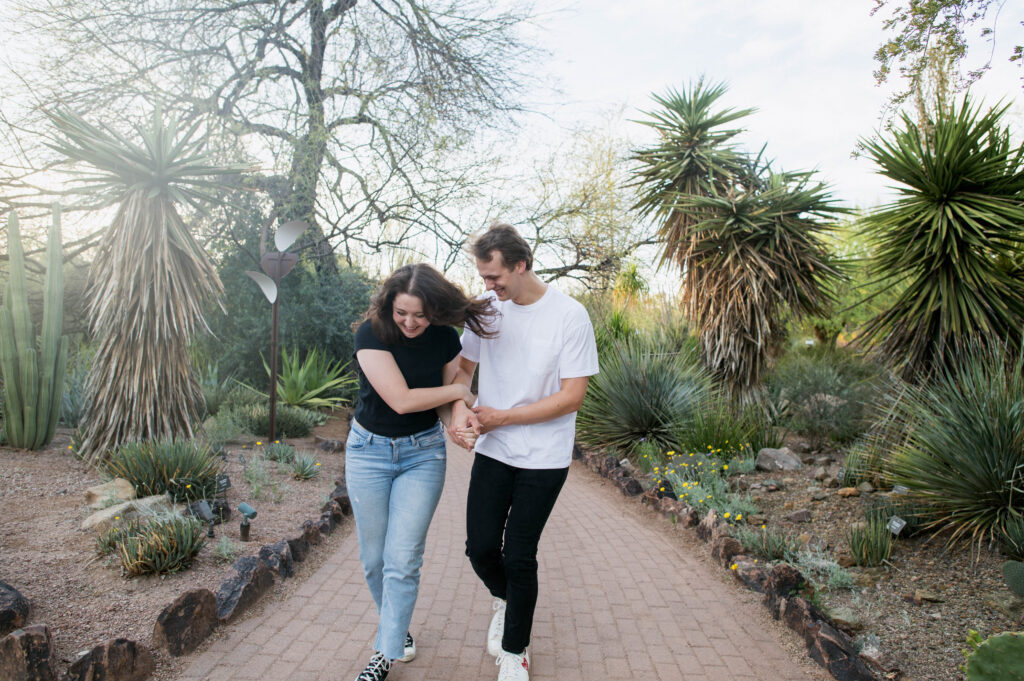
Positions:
{"x": 490, "y": 418}
{"x": 462, "y": 428}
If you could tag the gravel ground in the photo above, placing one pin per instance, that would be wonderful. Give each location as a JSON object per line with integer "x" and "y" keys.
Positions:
{"x": 82, "y": 597}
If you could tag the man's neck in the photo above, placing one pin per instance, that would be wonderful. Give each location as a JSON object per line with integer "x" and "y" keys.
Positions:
{"x": 533, "y": 290}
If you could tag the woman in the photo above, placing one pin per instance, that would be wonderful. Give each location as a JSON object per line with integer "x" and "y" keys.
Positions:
{"x": 407, "y": 354}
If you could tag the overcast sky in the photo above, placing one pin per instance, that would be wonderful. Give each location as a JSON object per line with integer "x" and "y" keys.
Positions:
{"x": 806, "y": 65}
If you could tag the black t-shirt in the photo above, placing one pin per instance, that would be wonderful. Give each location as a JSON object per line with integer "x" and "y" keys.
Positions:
{"x": 421, "y": 361}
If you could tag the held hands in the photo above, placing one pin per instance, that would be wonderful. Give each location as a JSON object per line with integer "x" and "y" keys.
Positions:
{"x": 463, "y": 429}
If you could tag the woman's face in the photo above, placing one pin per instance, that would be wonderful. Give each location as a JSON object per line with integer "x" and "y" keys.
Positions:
{"x": 407, "y": 311}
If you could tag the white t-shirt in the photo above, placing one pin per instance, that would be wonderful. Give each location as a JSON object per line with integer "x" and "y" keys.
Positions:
{"x": 536, "y": 347}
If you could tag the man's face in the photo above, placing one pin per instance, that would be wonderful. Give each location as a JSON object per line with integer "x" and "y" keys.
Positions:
{"x": 505, "y": 282}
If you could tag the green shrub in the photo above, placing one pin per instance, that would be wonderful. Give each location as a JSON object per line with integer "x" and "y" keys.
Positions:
{"x": 1011, "y": 538}
{"x": 180, "y": 468}
{"x": 163, "y": 544}
{"x": 822, "y": 569}
{"x": 727, "y": 430}
{"x": 870, "y": 542}
{"x": 912, "y": 512}
{"x": 827, "y": 394}
{"x": 641, "y": 397}
{"x": 317, "y": 310}
{"x": 73, "y": 401}
{"x": 216, "y": 389}
{"x": 226, "y": 550}
{"x": 262, "y": 487}
{"x": 305, "y": 467}
{"x": 279, "y": 452}
{"x": 768, "y": 544}
{"x": 290, "y": 421}
{"x": 223, "y": 427}
{"x": 962, "y": 455}
{"x": 708, "y": 489}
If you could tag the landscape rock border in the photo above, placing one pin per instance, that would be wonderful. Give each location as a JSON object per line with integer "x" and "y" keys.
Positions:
{"x": 27, "y": 652}
{"x": 781, "y": 584}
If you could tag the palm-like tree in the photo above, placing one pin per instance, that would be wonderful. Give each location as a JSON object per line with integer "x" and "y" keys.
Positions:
{"x": 953, "y": 238}
{"x": 747, "y": 240}
{"x": 149, "y": 278}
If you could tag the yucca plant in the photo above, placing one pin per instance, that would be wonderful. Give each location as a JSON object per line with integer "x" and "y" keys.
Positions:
{"x": 177, "y": 467}
{"x": 747, "y": 240}
{"x": 641, "y": 396}
{"x": 963, "y": 454}
{"x": 953, "y": 239}
{"x": 1011, "y": 540}
{"x": 150, "y": 277}
{"x": 870, "y": 542}
{"x": 315, "y": 382}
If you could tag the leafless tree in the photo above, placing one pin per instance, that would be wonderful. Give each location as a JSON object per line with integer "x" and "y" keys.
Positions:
{"x": 354, "y": 111}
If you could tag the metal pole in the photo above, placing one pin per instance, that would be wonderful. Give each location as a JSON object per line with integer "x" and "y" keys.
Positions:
{"x": 273, "y": 373}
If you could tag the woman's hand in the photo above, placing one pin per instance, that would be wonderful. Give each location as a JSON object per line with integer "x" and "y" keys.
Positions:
{"x": 466, "y": 395}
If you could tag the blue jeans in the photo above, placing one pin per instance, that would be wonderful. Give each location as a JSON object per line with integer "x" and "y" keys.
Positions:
{"x": 394, "y": 485}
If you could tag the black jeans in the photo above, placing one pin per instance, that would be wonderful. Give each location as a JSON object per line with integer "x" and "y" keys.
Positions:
{"x": 506, "y": 511}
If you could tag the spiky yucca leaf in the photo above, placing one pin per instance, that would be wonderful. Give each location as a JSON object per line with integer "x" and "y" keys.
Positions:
{"x": 953, "y": 237}
{"x": 964, "y": 450}
{"x": 747, "y": 241}
{"x": 149, "y": 279}
{"x": 694, "y": 156}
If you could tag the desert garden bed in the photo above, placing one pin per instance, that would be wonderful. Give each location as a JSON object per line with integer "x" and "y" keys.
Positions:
{"x": 82, "y": 596}
{"x": 916, "y": 608}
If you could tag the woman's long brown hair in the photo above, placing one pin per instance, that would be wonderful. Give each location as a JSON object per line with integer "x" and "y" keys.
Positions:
{"x": 444, "y": 303}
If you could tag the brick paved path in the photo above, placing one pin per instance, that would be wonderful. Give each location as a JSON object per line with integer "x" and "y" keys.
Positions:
{"x": 620, "y": 599}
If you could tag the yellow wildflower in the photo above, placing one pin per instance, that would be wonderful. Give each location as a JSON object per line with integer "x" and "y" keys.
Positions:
{"x": 726, "y": 514}
{"x": 733, "y": 566}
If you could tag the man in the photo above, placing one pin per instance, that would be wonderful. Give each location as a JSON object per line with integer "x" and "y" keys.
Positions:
{"x": 533, "y": 377}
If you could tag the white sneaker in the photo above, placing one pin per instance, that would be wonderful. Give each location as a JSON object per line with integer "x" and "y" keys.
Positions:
{"x": 512, "y": 667}
{"x": 497, "y": 628}
{"x": 409, "y": 653}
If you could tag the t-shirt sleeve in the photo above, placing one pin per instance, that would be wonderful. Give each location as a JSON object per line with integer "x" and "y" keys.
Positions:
{"x": 470, "y": 345}
{"x": 452, "y": 346}
{"x": 366, "y": 340}
{"x": 579, "y": 354}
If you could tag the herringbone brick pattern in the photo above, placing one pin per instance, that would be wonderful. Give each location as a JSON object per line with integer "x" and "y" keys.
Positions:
{"x": 620, "y": 599}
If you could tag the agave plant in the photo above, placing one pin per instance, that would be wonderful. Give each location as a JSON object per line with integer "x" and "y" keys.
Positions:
{"x": 150, "y": 278}
{"x": 748, "y": 241}
{"x": 313, "y": 382}
{"x": 953, "y": 238}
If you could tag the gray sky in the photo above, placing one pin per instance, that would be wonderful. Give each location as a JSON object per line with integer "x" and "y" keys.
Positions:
{"x": 806, "y": 65}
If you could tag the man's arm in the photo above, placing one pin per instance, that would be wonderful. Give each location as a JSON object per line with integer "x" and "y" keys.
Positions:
{"x": 567, "y": 400}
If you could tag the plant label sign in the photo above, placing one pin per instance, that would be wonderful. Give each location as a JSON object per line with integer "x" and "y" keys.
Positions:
{"x": 223, "y": 483}
{"x": 896, "y": 524}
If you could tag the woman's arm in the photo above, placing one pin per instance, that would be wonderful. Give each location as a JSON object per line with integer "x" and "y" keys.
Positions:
{"x": 382, "y": 372}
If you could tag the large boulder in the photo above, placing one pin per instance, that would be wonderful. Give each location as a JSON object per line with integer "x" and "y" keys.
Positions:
{"x": 769, "y": 459}
{"x": 116, "y": 660}
{"x": 185, "y": 623}
{"x": 117, "y": 491}
{"x": 26, "y": 655}
{"x": 101, "y": 520}
{"x": 14, "y": 609}
{"x": 725, "y": 548}
{"x": 250, "y": 578}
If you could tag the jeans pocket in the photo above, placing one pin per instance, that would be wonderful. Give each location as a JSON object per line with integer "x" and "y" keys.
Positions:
{"x": 431, "y": 441}
{"x": 356, "y": 439}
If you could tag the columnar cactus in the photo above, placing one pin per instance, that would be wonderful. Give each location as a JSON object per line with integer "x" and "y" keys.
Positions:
{"x": 33, "y": 376}
{"x": 998, "y": 658}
